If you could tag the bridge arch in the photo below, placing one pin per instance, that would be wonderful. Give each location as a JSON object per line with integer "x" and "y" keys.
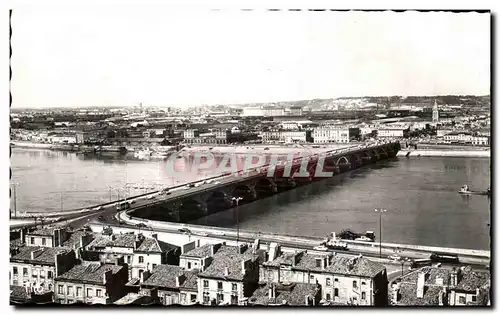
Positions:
{"x": 218, "y": 201}
{"x": 191, "y": 209}
{"x": 245, "y": 191}
{"x": 342, "y": 159}
{"x": 265, "y": 186}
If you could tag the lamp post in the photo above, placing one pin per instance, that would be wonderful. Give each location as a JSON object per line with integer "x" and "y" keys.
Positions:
{"x": 15, "y": 198}
{"x": 403, "y": 262}
{"x": 380, "y": 211}
{"x": 237, "y": 200}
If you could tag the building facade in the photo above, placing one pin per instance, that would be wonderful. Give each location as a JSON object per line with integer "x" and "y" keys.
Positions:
{"x": 335, "y": 135}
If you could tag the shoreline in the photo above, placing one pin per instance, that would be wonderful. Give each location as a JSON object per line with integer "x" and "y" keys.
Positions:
{"x": 444, "y": 153}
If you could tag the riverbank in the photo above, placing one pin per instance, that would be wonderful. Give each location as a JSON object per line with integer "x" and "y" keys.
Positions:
{"x": 445, "y": 153}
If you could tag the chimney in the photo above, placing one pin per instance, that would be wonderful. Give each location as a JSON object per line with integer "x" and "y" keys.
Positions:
{"x": 35, "y": 253}
{"x": 454, "y": 276}
{"x": 307, "y": 300}
{"x": 439, "y": 281}
{"x": 214, "y": 248}
{"x": 179, "y": 280}
{"x": 24, "y": 231}
{"x": 272, "y": 291}
{"x": 420, "y": 285}
{"x": 145, "y": 275}
{"x": 197, "y": 243}
{"x": 106, "y": 276}
{"x": 244, "y": 264}
{"x": 226, "y": 271}
{"x": 56, "y": 234}
{"x": 137, "y": 241}
{"x": 242, "y": 248}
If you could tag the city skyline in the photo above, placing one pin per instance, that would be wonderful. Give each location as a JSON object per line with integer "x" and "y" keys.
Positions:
{"x": 285, "y": 57}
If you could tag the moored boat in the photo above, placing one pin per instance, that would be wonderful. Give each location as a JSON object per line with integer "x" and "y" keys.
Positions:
{"x": 465, "y": 190}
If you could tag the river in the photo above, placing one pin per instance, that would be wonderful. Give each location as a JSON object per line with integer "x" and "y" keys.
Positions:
{"x": 420, "y": 195}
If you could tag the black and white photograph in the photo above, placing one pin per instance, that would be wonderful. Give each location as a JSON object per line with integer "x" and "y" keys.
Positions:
{"x": 249, "y": 157}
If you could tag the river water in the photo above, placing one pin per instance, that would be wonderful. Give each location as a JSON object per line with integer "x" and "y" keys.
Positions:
{"x": 420, "y": 195}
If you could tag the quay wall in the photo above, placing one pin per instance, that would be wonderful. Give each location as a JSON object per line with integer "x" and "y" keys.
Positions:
{"x": 444, "y": 153}
{"x": 298, "y": 240}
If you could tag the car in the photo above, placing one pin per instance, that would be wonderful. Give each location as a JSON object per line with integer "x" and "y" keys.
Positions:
{"x": 132, "y": 202}
{"x": 192, "y": 185}
{"x": 209, "y": 181}
{"x": 100, "y": 218}
{"x": 98, "y": 208}
{"x": 202, "y": 234}
{"x": 394, "y": 257}
{"x": 364, "y": 239}
{"x": 150, "y": 197}
{"x": 85, "y": 210}
{"x": 219, "y": 233}
{"x": 141, "y": 225}
{"x": 186, "y": 187}
{"x": 184, "y": 230}
{"x": 321, "y": 248}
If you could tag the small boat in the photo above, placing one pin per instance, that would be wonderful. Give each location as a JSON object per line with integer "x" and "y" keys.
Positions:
{"x": 143, "y": 153}
{"x": 465, "y": 190}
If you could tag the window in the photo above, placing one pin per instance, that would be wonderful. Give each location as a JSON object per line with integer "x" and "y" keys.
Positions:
{"x": 98, "y": 293}
{"x": 14, "y": 269}
{"x": 32, "y": 240}
{"x": 183, "y": 297}
{"x": 336, "y": 279}
{"x": 234, "y": 287}
{"x": 15, "y": 282}
{"x": 189, "y": 265}
{"x": 89, "y": 292}
{"x": 140, "y": 272}
{"x": 461, "y": 299}
{"x": 363, "y": 295}
{"x": 128, "y": 259}
{"x": 206, "y": 298}
{"x": 311, "y": 277}
{"x": 42, "y": 274}
{"x": 141, "y": 259}
{"x": 336, "y": 292}
{"x": 60, "y": 289}
{"x": 328, "y": 281}
{"x": 219, "y": 285}
{"x": 205, "y": 283}
{"x": 473, "y": 298}
{"x": 328, "y": 296}
{"x": 44, "y": 241}
{"x": 50, "y": 287}
{"x": 25, "y": 271}
{"x": 154, "y": 265}
{"x": 234, "y": 299}
{"x": 220, "y": 297}
{"x": 78, "y": 291}
{"x": 70, "y": 290}
{"x": 354, "y": 284}
{"x": 193, "y": 298}
{"x": 49, "y": 274}
{"x": 363, "y": 283}
{"x": 318, "y": 262}
{"x": 34, "y": 273}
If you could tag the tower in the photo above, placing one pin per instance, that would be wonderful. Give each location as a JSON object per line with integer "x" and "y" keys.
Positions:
{"x": 435, "y": 112}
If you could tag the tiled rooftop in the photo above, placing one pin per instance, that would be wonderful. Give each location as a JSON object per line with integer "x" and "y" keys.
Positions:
{"x": 200, "y": 252}
{"x": 432, "y": 274}
{"x": 147, "y": 244}
{"x": 44, "y": 255}
{"x": 408, "y": 295}
{"x": 472, "y": 280}
{"x": 18, "y": 292}
{"x": 43, "y": 231}
{"x": 293, "y": 294}
{"x": 362, "y": 266}
{"x": 228, "y": 257}
{"x": 91, "y": 273}
{"x": 163, "y": 276}
{"x": 74, "y": 240}
{"x": 16, "y": 243}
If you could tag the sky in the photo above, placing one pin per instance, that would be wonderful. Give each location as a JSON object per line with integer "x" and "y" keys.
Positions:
{"x": 123, "y": 57}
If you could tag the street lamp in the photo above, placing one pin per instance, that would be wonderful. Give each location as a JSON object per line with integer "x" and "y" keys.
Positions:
{"x": 403, "y": 262}
{"x": 237, "y": 199}
{"x": 380, "y": 211}
{"x": 14, "y": 185}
